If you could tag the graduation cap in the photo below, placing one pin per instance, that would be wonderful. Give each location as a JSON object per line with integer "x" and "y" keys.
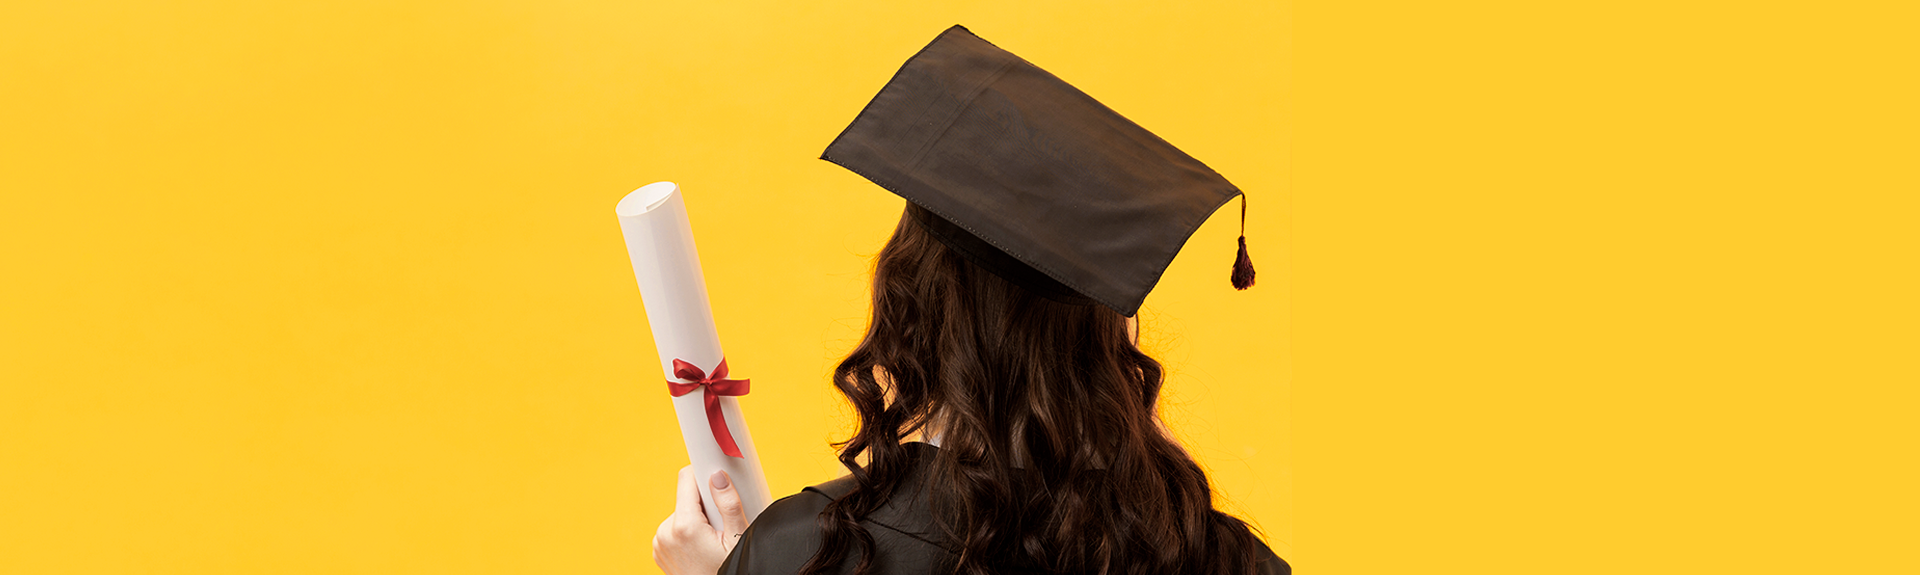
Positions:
{"x": 1034, "y": 180}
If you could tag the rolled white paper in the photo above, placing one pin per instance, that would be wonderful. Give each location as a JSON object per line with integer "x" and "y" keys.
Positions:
{"x": 660, "y": 242}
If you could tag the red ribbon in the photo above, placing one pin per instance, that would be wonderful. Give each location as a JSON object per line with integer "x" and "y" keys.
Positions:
{"x": 717, "y": 386}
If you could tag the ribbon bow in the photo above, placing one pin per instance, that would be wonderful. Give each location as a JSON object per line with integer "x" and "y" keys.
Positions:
{"x": 717, "y": 386}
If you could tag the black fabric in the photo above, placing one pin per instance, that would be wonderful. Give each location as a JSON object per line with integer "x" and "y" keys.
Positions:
{"x": 985, "y": 255}
{"x": 787, "y": 533}
{"x": 1033, "y": 167}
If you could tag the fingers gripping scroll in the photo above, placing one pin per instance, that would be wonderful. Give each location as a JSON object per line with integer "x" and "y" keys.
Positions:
{"x": 686, "y": 542}
{"x": 733, "y": 514}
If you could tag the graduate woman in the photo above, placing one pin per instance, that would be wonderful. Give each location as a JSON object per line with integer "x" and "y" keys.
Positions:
{"x": 1007, "y": 420}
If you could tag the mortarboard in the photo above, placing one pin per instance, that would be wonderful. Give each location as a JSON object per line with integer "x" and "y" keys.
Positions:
{"x": 1028, "y": 177}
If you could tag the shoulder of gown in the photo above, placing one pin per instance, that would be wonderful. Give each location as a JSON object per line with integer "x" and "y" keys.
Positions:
{"x": 1271, "y": 563}
{"x": 782, "y": 538}
{"x": 787, "y": 534}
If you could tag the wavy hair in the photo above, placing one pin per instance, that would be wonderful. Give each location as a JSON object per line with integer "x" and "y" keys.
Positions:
{"x": 1051, "y": 457}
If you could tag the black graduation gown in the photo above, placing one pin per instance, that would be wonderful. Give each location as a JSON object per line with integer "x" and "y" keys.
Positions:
{"x": 786, "y": 535}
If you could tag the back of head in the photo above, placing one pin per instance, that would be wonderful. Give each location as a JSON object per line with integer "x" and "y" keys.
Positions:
{"x": 1051, "y": 457}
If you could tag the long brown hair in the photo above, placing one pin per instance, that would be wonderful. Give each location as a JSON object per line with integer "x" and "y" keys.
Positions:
{"x": 1050, "y": 456}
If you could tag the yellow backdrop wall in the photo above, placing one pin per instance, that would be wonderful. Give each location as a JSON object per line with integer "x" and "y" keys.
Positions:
{"x": 1564, "y": 287}
{"x": 336, "y": 287}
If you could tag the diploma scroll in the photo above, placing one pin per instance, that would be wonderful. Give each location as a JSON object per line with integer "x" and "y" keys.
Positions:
{"x": 660, "y": 243}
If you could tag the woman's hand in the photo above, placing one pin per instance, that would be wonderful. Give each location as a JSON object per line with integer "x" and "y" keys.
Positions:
{"x": 686, "y": 543}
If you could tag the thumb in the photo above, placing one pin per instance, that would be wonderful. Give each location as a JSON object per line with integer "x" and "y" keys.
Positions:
{"x": 733, "y": 515}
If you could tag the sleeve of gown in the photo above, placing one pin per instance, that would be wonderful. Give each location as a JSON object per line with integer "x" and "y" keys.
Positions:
{"x": 781, "y": 540}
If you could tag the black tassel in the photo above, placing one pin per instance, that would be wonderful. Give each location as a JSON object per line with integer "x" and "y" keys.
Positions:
{"x": 1242, "y": 267}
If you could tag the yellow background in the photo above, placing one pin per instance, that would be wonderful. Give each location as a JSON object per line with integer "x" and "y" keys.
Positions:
{"x": 1607, "y": 287}
{"x": 336, "y": 287}
{"x": 1550, "y": 287}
